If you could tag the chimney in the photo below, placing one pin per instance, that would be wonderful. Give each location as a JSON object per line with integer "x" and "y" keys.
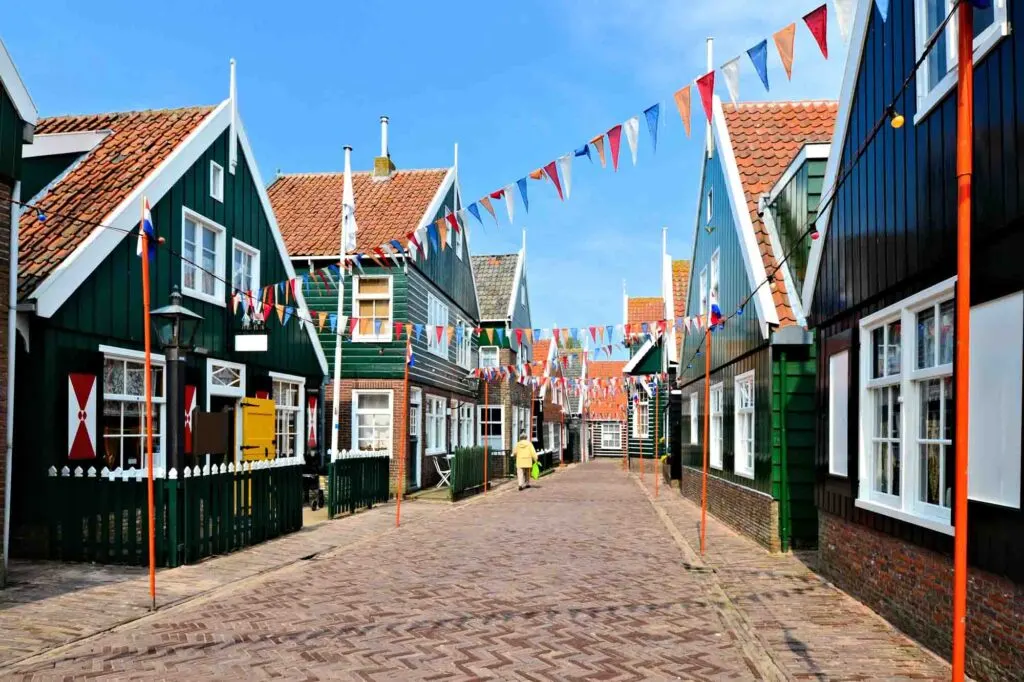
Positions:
{"x": 382, "y": 166}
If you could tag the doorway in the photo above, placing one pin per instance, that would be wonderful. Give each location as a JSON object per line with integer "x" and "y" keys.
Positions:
{"x": 415, "y": 445}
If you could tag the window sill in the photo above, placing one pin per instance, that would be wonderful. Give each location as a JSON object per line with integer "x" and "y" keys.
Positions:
{"x": 200, "y": 296}
{"x": 983, "y": 45}
{"x": 922, "y": 521}
{"x": 749, "y": 475}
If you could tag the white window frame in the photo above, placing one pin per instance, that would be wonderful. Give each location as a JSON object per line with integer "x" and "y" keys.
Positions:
{"x": 464, "y": 349}
{"x": 839, "y": 413}
{"x": 704, "y": 292}
{"x": 238, "y": 246}
{"x": 927, "y": 99}
{"x": 716, "y": 453}
{"x": 159, "y": 403}
{"x": 709, "y": 210}
{"x": 299, "y": 383}
{"x": 714, "y": 289}
{"x": 359, "y": 392}
{"x": 744, "y": 440}
{"x": 486, "y": 351}
{"x": 217, "y": 181}
{"x": 387, "y": 327}
{"x": 466, "y": 430}
{"x": 459, "y": 239}
{"x": 905, "y": 506}
{"x": 694, "y": 418}
{"x": 437, "y": 316}
{"x": 611, "y": 435}
{"x": 212, "y": 365}
{"x": 220, "y": 259}
{"x": 434, "y": 414}
{"x": 641, "y": 428}
{"x": 480, "y": 425}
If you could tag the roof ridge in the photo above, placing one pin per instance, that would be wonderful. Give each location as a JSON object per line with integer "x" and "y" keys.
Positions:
{"x": 496, "y": 255}
{"x": 133, "y": 112}
{"x": 322, "y": 174}
{"x": 779, "y": 103}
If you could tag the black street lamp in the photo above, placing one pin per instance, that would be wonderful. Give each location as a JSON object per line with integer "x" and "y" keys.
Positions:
{"x": 175, "y": 327}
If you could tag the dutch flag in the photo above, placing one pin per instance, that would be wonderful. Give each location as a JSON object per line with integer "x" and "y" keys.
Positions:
{"x": 716, "y": 315}
{"x": 146, "y": 227}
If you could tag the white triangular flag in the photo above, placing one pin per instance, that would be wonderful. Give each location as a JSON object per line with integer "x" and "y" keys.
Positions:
{"x": 348, "y": 208}
{"x": 844, "y": 17}
{"x": 632, "y": 130}
{"x": 510, "y": 192}
{"x": 883, "y": 8}
{"x": 731, "y": 71}
{"x": 565, "y": 166}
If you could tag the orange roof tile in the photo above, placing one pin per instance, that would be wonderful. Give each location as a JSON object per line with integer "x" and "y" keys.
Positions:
{"x": 766, "y": 136}
{"x": 611, "y": 407}
{"x": 138, "y": 142}
{"x": 308, "y": 208}
{"x": 541, "y": 348}
{"x": 640, "y": 310}
{"x": 605, "y": 369}
{"x": 680, "y": 280}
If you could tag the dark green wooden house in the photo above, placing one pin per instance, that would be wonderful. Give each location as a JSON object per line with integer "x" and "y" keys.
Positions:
{"x": 646, "y": 332}
{"x": 80, "y": 385}
{"x": 431, "y": 288}
{"x": 760, "y": 185}
{"x": 17, "y": 123}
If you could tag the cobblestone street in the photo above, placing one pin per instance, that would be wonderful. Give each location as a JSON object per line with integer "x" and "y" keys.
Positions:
{"x": 584, "y": 577}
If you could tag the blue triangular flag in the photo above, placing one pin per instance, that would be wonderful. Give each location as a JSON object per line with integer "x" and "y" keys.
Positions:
{"x": 575, "y": 333}
{"x": 332, "y": 319}
{"x": 458, "y": 335}
{"x": 759, "y": 56}
{"x": 432, "y": 233}
{"x": 522, "y": 190}
{"x": 608, "y": 331}
{"x": 376, "y": 326}
{"x": 288, "y": 310}
{"x": 883, "y": 8}
{"x": 584, "y": 151}
{"x": 397, "y": 246}
{"x": 501, "y": 336}
{"x": 536, "y": 335}
{"x": 418, "y": 329}
{"x": 645, "y": 328}
{"x": 359, "y": 262}
{"x": 651, "y": 113}
{"x": 475, "y": 210}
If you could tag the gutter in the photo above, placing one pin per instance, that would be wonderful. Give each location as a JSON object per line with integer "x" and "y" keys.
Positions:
{"x": 12, "y": 352}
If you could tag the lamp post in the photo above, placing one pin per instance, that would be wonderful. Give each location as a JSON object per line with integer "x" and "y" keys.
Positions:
{"x": 175, "y": 328}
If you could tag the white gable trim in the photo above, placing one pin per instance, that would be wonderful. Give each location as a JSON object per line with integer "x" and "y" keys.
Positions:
{"x": 787, "y": 275}
{"x": 250, "y": 160}
{"x": 807, "y": 152}
{"x": 853, "y": 59}
{"x": 640, "y": 354}
{"x": 517, "y": 278}
{"x": 64, "y": 280}
{"x": 15, "y": 87}
{"x": 744, "y": 226}
{"x": 64, "y": 143}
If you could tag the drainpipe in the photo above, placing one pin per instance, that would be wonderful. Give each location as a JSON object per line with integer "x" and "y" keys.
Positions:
{"x": 784, "y": 512}
{"x": 12, "y": 351}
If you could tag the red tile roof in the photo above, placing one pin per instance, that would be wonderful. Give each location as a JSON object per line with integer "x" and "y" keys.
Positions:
{"x": 766, "y": 137}
{"x": 104, "y": 177}
{"x": 640, "y": 310}
{"x": 611, "y": 407}
{"x": 308, "y": 208}
{"x": 680, "y": 280}
{"x": 541, "y": 349}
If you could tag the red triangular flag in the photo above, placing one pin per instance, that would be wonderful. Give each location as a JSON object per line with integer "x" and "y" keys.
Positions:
{"x": 498, "y": 195}
{"x": 593, "y": 333}
{"x": 519, "y": 336}
{"x": 440, "y": 330}
{"x": 554, "y": 332}
{"x": 352, "y": 324}
{"x": 706, "y": 87}
{"x": 452, "y": 220}
{"x": 398, "y": 330}
{"x": 614, "y": 138}
{"x": 552, "y": 172}
{"x": 817, "y": 22}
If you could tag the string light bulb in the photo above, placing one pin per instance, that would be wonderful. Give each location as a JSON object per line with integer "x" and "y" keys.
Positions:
{"x": 896, "y": 119}
{"x": 814, "y": 233}
{"x": 739, "y": 311}
{"x": 40, "y": 215}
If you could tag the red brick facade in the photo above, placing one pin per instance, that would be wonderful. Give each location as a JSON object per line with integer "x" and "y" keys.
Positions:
{"x": 754, "y": 514}
{"x": 912, "y": 587}
{"x": 5, "y": 270}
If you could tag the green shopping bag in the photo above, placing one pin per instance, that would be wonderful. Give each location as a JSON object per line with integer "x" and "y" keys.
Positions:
{"x": 535, "y": 471}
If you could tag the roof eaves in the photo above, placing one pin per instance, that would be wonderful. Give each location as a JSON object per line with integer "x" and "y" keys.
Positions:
{"x": 11, "y": 81}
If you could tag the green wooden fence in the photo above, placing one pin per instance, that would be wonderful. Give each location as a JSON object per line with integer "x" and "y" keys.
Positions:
{"x": 103, "y": 517}
{"x": 357, "y": 480}
{"x": 468, "y": 470}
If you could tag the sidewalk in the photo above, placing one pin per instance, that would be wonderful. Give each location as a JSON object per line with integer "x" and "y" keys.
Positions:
{"x": 50, "y": 604}
{"x": 812, "y": 630}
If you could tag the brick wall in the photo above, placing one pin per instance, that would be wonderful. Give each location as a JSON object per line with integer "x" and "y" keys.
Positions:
{"x": 5, "y": 268}
{"x": 399, "y": 424}
{"x": 752, "y": 513}
{"x": 912, "y": 587}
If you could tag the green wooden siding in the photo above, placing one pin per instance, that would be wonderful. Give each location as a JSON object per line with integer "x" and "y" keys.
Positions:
{"x": 40, "y": 171}
{"x": 793, "y": 211}
{"x": 522, "y": 319}
{"x": 11, "y": 131}
{"x": 448, "y": 271}
{"x": 658, "y": 405}
{"x": 430, "y": 369}
{"x": 793, "y": 428}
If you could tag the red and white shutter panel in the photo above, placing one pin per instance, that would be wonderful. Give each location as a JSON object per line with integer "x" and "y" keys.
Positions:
{"x": 190, "y": 409}
{"x": 81, "y": 416}
{"x": 311, "y": 421}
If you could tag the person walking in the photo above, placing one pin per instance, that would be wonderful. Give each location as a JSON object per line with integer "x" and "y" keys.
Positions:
{"x": 526, "y": 455}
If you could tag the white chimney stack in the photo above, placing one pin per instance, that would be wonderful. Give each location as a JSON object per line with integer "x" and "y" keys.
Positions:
{"x": 384, "y": 136}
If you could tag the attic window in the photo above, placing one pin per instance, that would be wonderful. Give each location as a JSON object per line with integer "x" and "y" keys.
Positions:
{"x": 708, "y": 210}
{"x": 216, "y": 181}
{"x": 522, "y": 295}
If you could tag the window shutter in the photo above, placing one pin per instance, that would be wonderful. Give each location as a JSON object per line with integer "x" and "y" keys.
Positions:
{"x": 82, "y": 402}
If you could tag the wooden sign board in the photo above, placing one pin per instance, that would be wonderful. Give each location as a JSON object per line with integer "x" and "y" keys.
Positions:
{"x": 211, "y": 433}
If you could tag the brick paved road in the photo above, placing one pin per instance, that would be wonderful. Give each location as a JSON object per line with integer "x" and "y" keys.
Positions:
{"x": 579, "y": 579}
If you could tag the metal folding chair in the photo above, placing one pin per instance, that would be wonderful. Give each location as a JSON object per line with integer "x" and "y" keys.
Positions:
{"x": 445, "y": 474}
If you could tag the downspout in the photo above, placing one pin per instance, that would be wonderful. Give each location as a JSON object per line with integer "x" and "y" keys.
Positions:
{"x": 12, "y": 351}
{"x": 784, "y": 511}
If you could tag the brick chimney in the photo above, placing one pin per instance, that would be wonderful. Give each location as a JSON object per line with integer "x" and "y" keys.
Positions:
{"x": 382, "y": 166}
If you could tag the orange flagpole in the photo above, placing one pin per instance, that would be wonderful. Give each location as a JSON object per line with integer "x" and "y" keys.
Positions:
{"x": 707, "y": 437}
{"x": 964, "y": 170}
{"x": 561, "y": 437}
{"x": 487, "y": 385}
{"x": 400, "y": 487}
{"x": 657, "y": 418}
{"x": 149, "y": 406}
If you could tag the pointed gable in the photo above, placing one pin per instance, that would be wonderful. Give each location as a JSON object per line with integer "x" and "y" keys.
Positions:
{"x": 645, "y": 310}
{"x": 495, "y": 284}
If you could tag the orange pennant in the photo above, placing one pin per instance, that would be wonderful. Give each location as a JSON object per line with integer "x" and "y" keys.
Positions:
{"x": 683, "y": 103}
{"x": 598, "y": 143}
{"x": 451, "y": 333}
{"x": 442, "y": 231}
{"x": 490, "y": 335}
{"x": 486, "y": 201}
{"x": 323, "y": 318}
{"x": 280, "y": 313}
{"x": 537, "y": 174}
{"x": 529, "y": 336}
{"x": 784, "y": 43}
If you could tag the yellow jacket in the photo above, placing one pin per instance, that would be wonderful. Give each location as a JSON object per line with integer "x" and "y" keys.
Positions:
{"x": 525, "y": 454}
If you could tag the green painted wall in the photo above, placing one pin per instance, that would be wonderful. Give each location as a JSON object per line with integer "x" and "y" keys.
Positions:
{"x": 794, "y": 489}
{"x": 40, "y": 171}
{"x": 658, "y": 405}
{"x": 793, "y": 211}
{"x": 11, "y": 131}
{"x": 522, "y": 319}
{"x": 447, "y": 270}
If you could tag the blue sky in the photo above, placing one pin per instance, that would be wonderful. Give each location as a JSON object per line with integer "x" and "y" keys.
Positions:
{"x": 515, "y": 84}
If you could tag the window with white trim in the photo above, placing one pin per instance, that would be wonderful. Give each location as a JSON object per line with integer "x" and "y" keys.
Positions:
{"x": 694, "y": 419}
{"x": 538, "y": 409}
{"x": 838, "y": 413}
{"x": 492, "y": 418}
{"x": 716, "y": 445}
{"x": 641, "y": 416}
{"x": 435, "y": 425}
{"x": 709, "y": 206}
{"x": 453, "y": 424}
{"x": 437, "y": 316}
{"x": 415, "y": 407}
{"x": 371, "y": 304}
{"x": 226, "y": 378}
{"x": 288, "y": 415}
{"x": 938, "y": 74}
{"x": 124, "y": 411}
{"x": 611, "y": 435}
{"x": 245, "y": 267}
{"x": 488, "y": 357}
{"x": 216, "y": 181}
{"x": 371, "y": 420}
{"x": 464, "y": 345}
{"x": 703, "y": 292}
{"x": 202, "y": 258}
{"x": 713, "y": 291}
{"x": 744, "y": 424}
{"x": 906, "y": 409}
{"x": 466, "y": 425}
{"x": 458, "y": 241}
